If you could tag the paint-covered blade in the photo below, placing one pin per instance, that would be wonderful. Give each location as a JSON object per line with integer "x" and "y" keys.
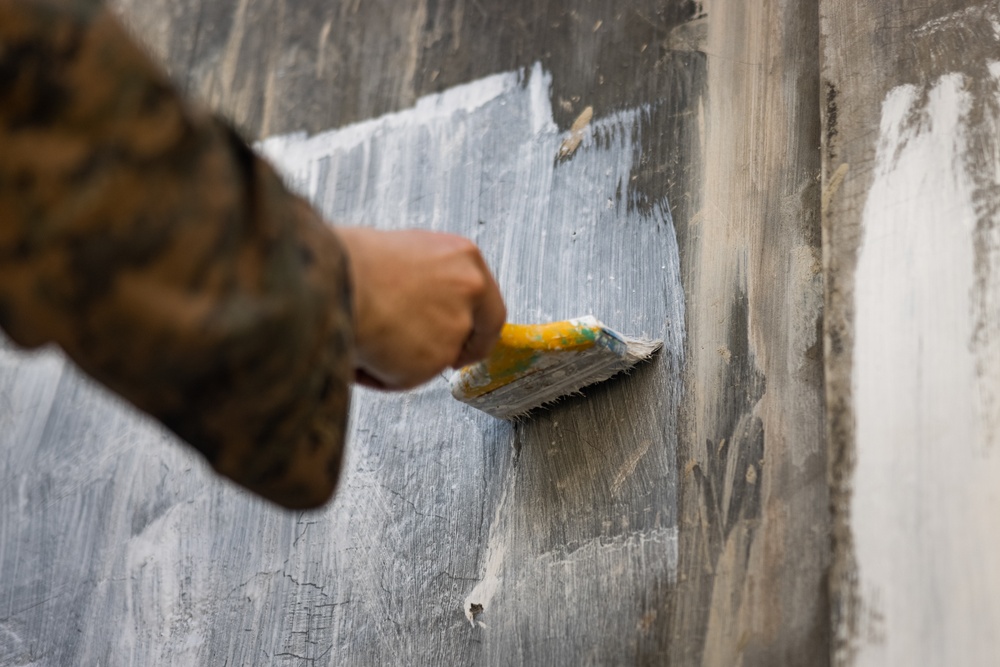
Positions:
{"x": 536, "y": 364}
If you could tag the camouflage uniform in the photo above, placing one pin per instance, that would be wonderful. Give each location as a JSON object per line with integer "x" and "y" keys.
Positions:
{"x": 144, "y": 238}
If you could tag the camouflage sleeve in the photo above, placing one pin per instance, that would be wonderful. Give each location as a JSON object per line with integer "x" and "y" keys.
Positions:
{"x": 142, "y": 236}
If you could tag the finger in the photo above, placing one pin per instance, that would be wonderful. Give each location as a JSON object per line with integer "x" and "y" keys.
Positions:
{"x": 489, "y": 315}
{"x": 470, "y": 355}
{"x": 363, "y": 378}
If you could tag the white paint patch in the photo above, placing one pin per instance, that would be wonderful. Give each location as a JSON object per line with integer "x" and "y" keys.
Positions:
{"x": 627, "y": 468}
{"x": 539, "y": 85}
{"x": 298, "y": 151}
{"x": 564, "y": 238}
{"x": 962, "y": 18}
{"x": 926, "y": 490}
{"x": 25, "y": 406}
{"x": 664, "y": 540}
{"x": 164, "y": 599}
{"x": 987, "y": 334}
{"x": 483, "y": 592}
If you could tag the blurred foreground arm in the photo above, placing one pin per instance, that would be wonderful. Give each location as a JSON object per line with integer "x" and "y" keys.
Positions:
{"x": 143, "y": 237}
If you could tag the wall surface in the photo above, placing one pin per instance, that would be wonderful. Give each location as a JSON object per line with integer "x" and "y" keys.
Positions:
{"x": 678, "y": 515}
{"x": 911, "y": 167}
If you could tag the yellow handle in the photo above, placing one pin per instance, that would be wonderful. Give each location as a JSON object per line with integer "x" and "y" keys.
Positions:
{"x": 566, "y": 335}
{"x": 520, "y": 348}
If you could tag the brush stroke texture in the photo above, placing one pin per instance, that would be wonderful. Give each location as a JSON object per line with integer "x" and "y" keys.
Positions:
{"x": 440, "y": 505}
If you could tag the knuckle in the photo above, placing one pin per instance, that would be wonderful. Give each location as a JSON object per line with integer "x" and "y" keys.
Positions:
{"x": 470, "y": 251}
{"x": 456, "y": 245}
{"x": 475, "y": 283}
{"x": 465, "y": 245}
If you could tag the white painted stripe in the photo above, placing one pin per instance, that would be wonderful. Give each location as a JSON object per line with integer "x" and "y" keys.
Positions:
{"x": 926, "y": 491}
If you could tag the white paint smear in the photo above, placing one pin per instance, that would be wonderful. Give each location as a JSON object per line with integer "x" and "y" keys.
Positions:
{"x": 987, "y": 336}
{"x": 962, "y": 18}
{"x": 298, "y": 150}
{"x": 483, "y": 592}
{"x": 564, "y": 239}
{"x": 926, "y": 495}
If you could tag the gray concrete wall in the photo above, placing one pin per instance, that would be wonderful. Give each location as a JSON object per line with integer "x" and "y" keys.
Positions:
{"x": 678, "y": 515}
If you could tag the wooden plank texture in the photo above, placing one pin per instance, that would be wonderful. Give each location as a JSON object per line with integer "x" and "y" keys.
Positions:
{"x": 912, "y": 107}
{"x": 678, "y": 516}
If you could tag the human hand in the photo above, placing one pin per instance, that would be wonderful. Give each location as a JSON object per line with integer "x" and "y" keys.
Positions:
{"x": 423, "y": 301}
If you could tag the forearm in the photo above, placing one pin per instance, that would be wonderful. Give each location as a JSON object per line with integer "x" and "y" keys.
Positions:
{"x": 140, "y": 235}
